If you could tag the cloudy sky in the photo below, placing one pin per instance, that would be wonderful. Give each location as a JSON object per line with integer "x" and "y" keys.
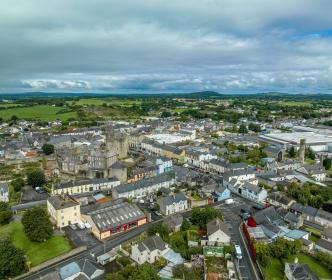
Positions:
{"x": 230, "y": 46}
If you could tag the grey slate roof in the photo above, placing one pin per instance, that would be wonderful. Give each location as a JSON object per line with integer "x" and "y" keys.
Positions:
{"x": 267, "y": 215}
{"x": 301, "y": 272}
{"x": 61, "y": 203}
{"x": 169, "y": 200}
{"x": 324, "y": 244}
{"x": 152, "y": 243}
{"x": 95, "y": 181}
{"x": 215, "y": 225}
{"x": 144, "y": 183}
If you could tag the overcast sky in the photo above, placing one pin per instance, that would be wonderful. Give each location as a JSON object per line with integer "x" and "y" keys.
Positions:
{"x": 231, "y": 46}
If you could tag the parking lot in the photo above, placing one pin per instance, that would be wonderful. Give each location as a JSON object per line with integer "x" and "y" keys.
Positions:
{"x": 81, "y": 237}
{"x": 29, "y": 195}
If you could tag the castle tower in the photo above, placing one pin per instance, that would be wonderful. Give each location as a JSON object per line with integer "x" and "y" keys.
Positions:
{"x": 302, "y": 150}
{"x": 117, "y": 142}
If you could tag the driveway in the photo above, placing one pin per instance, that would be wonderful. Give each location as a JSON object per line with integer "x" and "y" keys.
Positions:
{"x": 30, "y": 195}
{"x": 81, "y": 237}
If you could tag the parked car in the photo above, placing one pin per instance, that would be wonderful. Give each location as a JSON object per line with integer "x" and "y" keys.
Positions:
{"x": 81, "y": 225}
{"x": 87, "y": 225}
{"x": 40, "y": 190}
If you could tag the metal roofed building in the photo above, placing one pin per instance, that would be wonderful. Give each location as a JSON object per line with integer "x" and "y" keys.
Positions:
{"x": 113, "y": 217}
{"x": 318, "y": 142}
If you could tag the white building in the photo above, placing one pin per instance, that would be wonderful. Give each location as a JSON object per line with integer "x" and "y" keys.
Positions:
{"x": 143, "y": 187}
{"x": 85, "y": 186}
{"x": 218, "y": 233}
{"x": 149, "y": 250}
{"x": 4, "y": 192}
{"x": 173, "y": 204}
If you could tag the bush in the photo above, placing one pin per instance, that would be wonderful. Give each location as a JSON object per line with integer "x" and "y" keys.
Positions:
{"x": 17, "y": 184}
{"x": 160, "y": 228}
{"x": 5, "y": 213}
{"x": 123, "y": 261}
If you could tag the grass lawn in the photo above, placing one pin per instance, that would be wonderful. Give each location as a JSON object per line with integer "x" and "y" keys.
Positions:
{"x": 313, "y": 231}
{"x": 36, "y": 252}
{"x": 315, "y": 266}
{"x": 275, "y": 271}
{"x": 38, "y": 112}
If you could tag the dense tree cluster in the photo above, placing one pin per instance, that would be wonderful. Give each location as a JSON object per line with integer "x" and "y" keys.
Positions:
{"x": 201, "y": 216}
{"x": 310, "y": 194}
{"x": 12, "y": 259}
{"x": 37, "y": 225}
{"x": 280, "y": 249}
{"x": 145, "y": 271}
{"x": 160, "y": 229}
{"x": 48, "y": 149}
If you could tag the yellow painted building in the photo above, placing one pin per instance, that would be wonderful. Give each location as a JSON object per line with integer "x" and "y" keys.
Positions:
{"x": 63, "y": 210}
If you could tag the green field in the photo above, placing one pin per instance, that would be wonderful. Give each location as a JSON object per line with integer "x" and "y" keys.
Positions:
{"x": 101, "y": 101}
{"x": 35, "y": 252}
{"x": 296, "y": 103}
{"x": 275, "y": 271}
{"x": 38, "y": 112}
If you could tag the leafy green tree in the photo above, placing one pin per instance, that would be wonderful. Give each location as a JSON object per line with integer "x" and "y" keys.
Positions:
{"x": 12, "y": 260}
{"x": 185, "y": 225}
{"x": 145, "y": 271}
{"x": 36, "y": 178}
{"x": 309, "y": 153}
{"x": 166, "y": 114}
{"x": 254, "y": 127}
{"x": 48, "y": 149}
{"x": 5, "y": 213}
{"x": 14, "y": 118}
{"x": 243, "y": 129}
{"x": 201, "y": 216}
{"x": 159, "y": 228}
{"x": 17, "y": 184}
{"x": 291, "y": 152}
{"x": 327, "y": 163}
{"x": 37, "y": 225}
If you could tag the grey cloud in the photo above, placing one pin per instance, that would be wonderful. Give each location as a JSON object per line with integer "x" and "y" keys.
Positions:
{"x": 154, "y": 45}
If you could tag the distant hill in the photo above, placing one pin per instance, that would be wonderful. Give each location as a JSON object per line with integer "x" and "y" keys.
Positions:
{"x": 198, "y": 95}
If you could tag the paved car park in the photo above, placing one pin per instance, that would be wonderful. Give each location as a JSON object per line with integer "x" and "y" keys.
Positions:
{"x": 81, "y": 237}
{"x": 30, "y": 195}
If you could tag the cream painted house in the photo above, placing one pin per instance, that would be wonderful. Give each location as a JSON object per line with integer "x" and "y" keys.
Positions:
{"x": 63, "y": 210}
